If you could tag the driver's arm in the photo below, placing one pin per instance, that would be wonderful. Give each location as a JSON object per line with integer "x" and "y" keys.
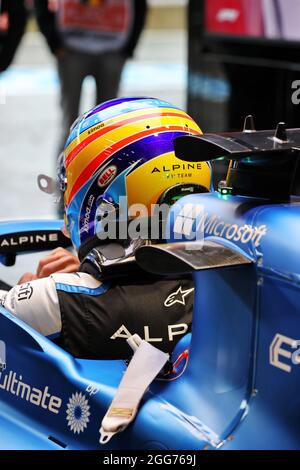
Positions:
{"x": 36, "y": 303}
{"x": 34, "y": 300}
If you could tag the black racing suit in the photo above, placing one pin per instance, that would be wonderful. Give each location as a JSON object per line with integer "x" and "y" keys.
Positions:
{"x": 92, "y": 319}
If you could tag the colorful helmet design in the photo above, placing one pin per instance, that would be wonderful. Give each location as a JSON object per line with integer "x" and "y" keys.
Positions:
{"x": 124, "y": 147}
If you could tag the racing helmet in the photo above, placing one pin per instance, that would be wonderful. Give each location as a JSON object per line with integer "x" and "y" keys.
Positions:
{"x": 124, "y": 148}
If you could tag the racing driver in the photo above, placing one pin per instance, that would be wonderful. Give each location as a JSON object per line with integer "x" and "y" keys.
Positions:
{"x": 122, "y": 150}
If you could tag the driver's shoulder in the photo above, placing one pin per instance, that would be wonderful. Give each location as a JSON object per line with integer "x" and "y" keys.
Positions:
{"x": 79, "y": 282}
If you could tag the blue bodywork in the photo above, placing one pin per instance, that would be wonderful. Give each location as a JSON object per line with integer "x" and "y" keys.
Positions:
{"x": 239, "y": 389}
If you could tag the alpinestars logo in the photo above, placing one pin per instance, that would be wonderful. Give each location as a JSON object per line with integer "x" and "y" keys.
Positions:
{"x": 78, "y": 413}
{"x": 177, "y": 297}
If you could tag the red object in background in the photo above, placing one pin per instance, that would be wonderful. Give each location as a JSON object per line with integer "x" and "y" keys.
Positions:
{"x": 53, "y": 5}
{"x": 4, "y": 22}
{"x": 234, "y": 17}
{"x": 111, "y": 16}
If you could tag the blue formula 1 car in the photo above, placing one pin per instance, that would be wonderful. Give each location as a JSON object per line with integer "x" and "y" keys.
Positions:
{"x": 235, "y": 380}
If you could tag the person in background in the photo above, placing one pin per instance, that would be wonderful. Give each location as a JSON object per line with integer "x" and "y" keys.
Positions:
{"x": 13, "y": 17}
{"x": 89, "y": 37}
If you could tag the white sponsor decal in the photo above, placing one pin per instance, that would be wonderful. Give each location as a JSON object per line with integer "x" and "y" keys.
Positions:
{"x": 280, "y": 349}
{"x": 77, "y": 410}
{"x": 193, "y": 223}
{"x": 228, "y": 14}
{"x": 173, "y": 330}
{"x": 78, "y": 413}
{"x": 14, "y": 384}
{"x": 87, "y": 215}
{"x": 189, "y": 220}
{"x": 177, "y": 297}
{"x": 92, "y": 389}
{"x": 25, "y": 239}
